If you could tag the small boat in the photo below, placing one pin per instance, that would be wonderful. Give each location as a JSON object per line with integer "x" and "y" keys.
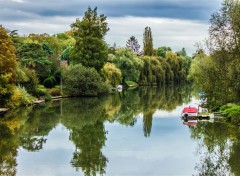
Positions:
{"x": 189, "y": 113}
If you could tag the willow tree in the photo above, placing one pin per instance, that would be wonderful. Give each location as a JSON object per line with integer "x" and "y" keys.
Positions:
{"x": 147, "y": 42}
{"x": 7, "y": 65}
{"x": 90, "y": 49}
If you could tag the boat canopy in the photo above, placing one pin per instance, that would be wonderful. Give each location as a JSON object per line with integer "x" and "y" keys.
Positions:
{"x": 190, "y": 110}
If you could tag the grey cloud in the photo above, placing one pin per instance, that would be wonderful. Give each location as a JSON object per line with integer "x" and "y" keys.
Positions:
{"x": 181, "y": 9}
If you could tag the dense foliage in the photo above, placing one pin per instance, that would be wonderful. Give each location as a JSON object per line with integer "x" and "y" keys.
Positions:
{"x": 90, "y": 49}
{"x": 82, "y": 81}
{"x": 218, "y": 73}
{"x": 7, "y": 66}
{"x": 129, "y": 64}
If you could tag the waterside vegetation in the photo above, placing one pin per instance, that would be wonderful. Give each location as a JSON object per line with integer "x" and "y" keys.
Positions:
{"x": 34, "y": 66}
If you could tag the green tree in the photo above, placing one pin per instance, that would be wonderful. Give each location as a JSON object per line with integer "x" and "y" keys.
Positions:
{"x": 36, "y": 57}
{"x": 147, "y": 42}
{"x": 82, "y": 81}
{"x": 161, "y": 51}
{"x": 218, "y": 75}
{"x": 129, "y": 64}
{"x": 111, "y": 74}
{"x": 7, "y": 66}
{"x": 90, "y": 49}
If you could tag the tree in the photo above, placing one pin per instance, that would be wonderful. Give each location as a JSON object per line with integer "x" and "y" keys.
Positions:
{"x": 182, "y": 52}
{"x": 90, "y": 49}
{"x": 161, "y": 51}
{"x": 129, "y": 64}
{"x": 133, "y": 45}
{"x": 82, "y": 81}
{"x": 218, "y": 75}
{"x": 36, "y": 57}
{"x": 111, "y": 74}
{"x": 7, "y": 66}
{"x": 147, "y": 42}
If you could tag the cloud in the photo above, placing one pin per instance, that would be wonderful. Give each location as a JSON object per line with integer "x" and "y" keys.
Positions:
{"x": 166, "y": 32}
{"x": 174, "y": 23}
{"x": 180, "y": 9}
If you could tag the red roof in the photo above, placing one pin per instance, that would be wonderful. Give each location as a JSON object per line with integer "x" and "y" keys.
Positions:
{"x": 190, "y": 110}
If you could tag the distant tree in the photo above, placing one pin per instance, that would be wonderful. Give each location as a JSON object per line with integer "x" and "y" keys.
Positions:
{"x": 182, "y": 52}
{"x": 129, "y": 64}
{"x": 7, "y": 66}
{"x": 161, "y": 51}
{"x": 90, "y": 49}
{"x": 147, "y": 42}
{"x": 133, "y": 45}
{"x": 111, "y": 74}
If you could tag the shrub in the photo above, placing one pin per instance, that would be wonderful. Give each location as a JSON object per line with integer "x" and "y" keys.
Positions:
{"x": 232, "y": 112}
{"x": 48, "y": 82}
{"x": 55, "y": 91}
{"x": 43, "y": 93}
{"x": 82, "y": 81}
{"x": 20, "y": 97}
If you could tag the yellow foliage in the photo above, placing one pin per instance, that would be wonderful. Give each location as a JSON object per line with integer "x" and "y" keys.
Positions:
{"x": 16, "y": 95}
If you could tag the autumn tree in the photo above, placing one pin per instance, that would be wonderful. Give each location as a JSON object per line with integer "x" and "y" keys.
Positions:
{"x": 133, "y": 45}
{"x": 147, "y": 42}
{"x": 90, "y": 49}
{"x": 7, "y": 65}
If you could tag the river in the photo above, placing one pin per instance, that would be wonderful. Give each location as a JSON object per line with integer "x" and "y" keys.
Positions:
{"x": 135, "y": 132}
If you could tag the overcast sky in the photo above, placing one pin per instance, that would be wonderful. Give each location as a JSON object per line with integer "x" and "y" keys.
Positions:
{"x": 174, "y": 23}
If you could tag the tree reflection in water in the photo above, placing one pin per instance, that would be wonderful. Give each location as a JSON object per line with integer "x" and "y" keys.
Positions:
{"x": 218, "y": 148}
{"x": 8, "y": 151}
{"x": 85, "y": 118}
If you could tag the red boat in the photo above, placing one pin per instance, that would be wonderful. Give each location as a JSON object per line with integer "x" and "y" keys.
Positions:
{"x": 189, "y": 113}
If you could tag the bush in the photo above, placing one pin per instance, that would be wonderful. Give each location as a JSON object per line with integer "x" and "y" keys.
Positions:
{"x": 20, "y": 97}
{"x": 48, "y": 83}
{"x": 232, "y": 112}
{"x": 42, "y": 93}
{"x": 82, "y": 81}
{"x": 55, "y": 91}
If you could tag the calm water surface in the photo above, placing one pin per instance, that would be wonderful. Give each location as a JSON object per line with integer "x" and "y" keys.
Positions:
{"x": 137, "y": 132}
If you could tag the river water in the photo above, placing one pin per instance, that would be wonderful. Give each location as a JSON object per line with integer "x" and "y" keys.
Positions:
{"x": 135, "y": 132}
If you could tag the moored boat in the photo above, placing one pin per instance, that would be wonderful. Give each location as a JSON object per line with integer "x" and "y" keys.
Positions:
{"x": 189, "y": 113}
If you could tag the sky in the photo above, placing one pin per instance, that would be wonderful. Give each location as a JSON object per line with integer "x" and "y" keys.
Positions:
{"x": 174, "y": 23}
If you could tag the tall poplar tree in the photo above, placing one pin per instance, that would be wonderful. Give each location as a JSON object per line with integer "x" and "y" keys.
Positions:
{"x": 90, "y": 49}
{"x": 147, "y": 42}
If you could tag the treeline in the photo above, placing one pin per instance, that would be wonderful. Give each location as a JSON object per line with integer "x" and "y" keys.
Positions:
{"x": 218, "y": 73}
{"x": 33, "y": 66}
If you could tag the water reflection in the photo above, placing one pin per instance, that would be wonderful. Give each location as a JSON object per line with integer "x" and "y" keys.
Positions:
{"x": 218, "y": 146}
{"x": 84, "y": 118}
